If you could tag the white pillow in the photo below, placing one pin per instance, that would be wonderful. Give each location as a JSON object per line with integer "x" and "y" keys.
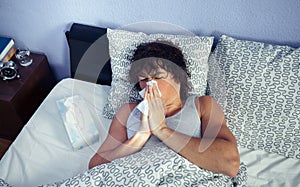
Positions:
{"x": 122, "y": 44}
{"x": 262, "y": 90}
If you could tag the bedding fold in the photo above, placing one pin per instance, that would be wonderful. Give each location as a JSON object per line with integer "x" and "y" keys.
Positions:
{"x": 156, "y": 165}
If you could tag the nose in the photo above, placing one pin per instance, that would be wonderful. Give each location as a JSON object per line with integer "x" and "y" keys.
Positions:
{"x": 144, "y": 81}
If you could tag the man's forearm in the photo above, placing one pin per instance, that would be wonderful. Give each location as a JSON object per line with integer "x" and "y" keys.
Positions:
{"x": 130, "y": 146}
{"x": 220, "y": 155}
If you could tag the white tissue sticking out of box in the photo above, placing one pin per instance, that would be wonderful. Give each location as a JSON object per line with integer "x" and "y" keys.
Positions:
{"x": 78, "y": 121}
{"x": 143, "y": 106}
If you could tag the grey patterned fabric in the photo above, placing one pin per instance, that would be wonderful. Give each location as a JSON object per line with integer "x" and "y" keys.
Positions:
{"x": 122, "y": 43}
{"x": 3, "y": 183}
{"x": 258, "y": 86}
{"x": 154, "y": 166}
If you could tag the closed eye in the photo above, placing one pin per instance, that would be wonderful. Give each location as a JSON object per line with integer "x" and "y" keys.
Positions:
{"x": 142, "y": 78}
{"x": 158, "y": 75}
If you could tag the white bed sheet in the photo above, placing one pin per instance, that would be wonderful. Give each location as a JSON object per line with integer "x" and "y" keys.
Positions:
{"x": 270, "y": 169}
{"x": 42, "y": 153}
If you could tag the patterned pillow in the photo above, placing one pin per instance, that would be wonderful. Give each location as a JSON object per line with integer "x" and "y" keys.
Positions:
{"x": 122, "y": 43}
{"x": 262, "y": 93}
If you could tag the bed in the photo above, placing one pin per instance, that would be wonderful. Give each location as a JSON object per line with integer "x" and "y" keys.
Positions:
{"x": 43, "y": 155}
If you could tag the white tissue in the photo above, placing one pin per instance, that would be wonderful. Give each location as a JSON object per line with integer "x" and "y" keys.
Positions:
{"x": 78, "y": 121}
{"x": 143, "y": 106}
{"x": 149, "y": 83}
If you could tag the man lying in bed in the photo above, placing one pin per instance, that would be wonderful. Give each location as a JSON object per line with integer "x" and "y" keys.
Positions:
{"x": 192, "y": 126}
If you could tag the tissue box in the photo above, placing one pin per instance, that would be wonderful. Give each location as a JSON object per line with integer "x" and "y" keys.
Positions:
{"x": 78, "y": 121}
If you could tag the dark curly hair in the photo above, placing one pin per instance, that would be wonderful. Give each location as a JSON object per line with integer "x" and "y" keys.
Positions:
{"x": 160, "y": 54}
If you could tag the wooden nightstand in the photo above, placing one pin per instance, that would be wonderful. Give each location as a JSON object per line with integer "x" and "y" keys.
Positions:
{"x": 19, "y": 98}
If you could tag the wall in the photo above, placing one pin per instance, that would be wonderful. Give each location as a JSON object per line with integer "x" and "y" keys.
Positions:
{"x": 40, "y": 25}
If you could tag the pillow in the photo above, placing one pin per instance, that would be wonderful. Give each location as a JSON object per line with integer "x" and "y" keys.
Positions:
{"x": 262, "y": 93}
{"x": 122, "y": 43}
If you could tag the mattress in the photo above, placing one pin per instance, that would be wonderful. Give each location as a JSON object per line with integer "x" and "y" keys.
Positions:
{"x": 43, "y": 154}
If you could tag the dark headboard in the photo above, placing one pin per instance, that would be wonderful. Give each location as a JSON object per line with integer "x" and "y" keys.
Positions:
{"x": 89, "y": 56}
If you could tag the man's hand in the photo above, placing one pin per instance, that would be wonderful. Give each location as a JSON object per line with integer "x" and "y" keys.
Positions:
{"x": 157, "y": 120}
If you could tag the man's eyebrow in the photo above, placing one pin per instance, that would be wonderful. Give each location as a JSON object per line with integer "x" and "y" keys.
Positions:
{"x": 151, "y": 73}
{"x": 159, "y": 73}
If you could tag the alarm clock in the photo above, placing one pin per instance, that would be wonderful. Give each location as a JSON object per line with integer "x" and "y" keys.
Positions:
{"x": 8, "y": 70}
